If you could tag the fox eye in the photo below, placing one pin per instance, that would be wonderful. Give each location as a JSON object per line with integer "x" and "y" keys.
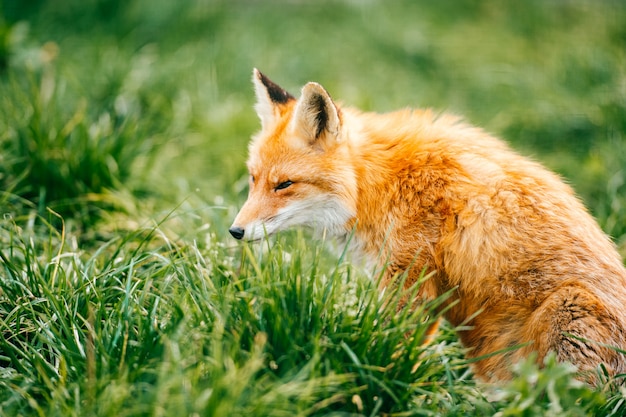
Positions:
{"x": 283, "y": 185}
{"x": 252, "y": 179}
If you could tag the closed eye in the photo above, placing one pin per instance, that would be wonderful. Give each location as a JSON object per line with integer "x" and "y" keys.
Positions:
{"x": 283, "y": 185}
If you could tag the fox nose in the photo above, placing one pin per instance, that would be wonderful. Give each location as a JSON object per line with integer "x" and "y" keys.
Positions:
{"x": 237, "y": 232}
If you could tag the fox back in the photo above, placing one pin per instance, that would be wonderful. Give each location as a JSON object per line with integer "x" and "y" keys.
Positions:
{"x": 527, "y": 264}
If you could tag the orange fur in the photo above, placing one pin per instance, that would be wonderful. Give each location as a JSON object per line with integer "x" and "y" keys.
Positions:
{"x": 529, "y": 266}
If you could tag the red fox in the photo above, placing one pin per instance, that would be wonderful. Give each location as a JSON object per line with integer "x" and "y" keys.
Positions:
{"x": 527, "y": 264}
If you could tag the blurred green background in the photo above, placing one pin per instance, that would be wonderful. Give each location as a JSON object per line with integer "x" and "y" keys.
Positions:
{"x": 154, "y": 97}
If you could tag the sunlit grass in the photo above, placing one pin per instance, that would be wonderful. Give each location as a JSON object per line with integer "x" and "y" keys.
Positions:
{"x": 145, "y": 323}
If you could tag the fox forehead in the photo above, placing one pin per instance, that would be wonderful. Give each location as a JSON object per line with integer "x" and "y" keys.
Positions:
{"x": 273, "y": 174}
{"x": 275, "y": 157}
{"x": 279, "y": 169}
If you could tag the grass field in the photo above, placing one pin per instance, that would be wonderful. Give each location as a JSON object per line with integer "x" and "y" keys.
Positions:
{"x": 123, "y": 132}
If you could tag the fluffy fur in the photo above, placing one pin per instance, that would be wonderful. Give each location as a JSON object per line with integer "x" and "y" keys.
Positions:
{"x": 529, "y": 266}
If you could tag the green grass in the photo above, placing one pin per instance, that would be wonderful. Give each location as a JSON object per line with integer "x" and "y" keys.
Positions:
{"x": 123, "y": 131}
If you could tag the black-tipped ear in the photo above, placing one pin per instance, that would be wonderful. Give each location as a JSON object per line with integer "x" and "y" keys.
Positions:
{"x": 316, "y": 114}
{"x": 276, "y": 93}
{"x": 269, "y": 95}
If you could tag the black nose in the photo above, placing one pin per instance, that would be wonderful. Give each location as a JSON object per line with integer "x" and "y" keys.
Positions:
{"x": 237, "y": 232}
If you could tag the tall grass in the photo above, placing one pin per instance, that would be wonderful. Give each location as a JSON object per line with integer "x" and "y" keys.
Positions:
{"x": 58, "y": 153}
{"x": 149, "y": 325}
{"x": 145, "y": 323}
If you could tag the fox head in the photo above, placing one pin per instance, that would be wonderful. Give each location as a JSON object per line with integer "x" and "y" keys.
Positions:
{"x": 299, "y": 165}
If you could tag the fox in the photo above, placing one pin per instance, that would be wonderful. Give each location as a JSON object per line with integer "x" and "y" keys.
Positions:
{"x": 527, "y": 267}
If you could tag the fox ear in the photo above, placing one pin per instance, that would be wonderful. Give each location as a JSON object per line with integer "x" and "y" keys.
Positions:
{"x": 269, "y": 96}
{"x": 316, "y": 114}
